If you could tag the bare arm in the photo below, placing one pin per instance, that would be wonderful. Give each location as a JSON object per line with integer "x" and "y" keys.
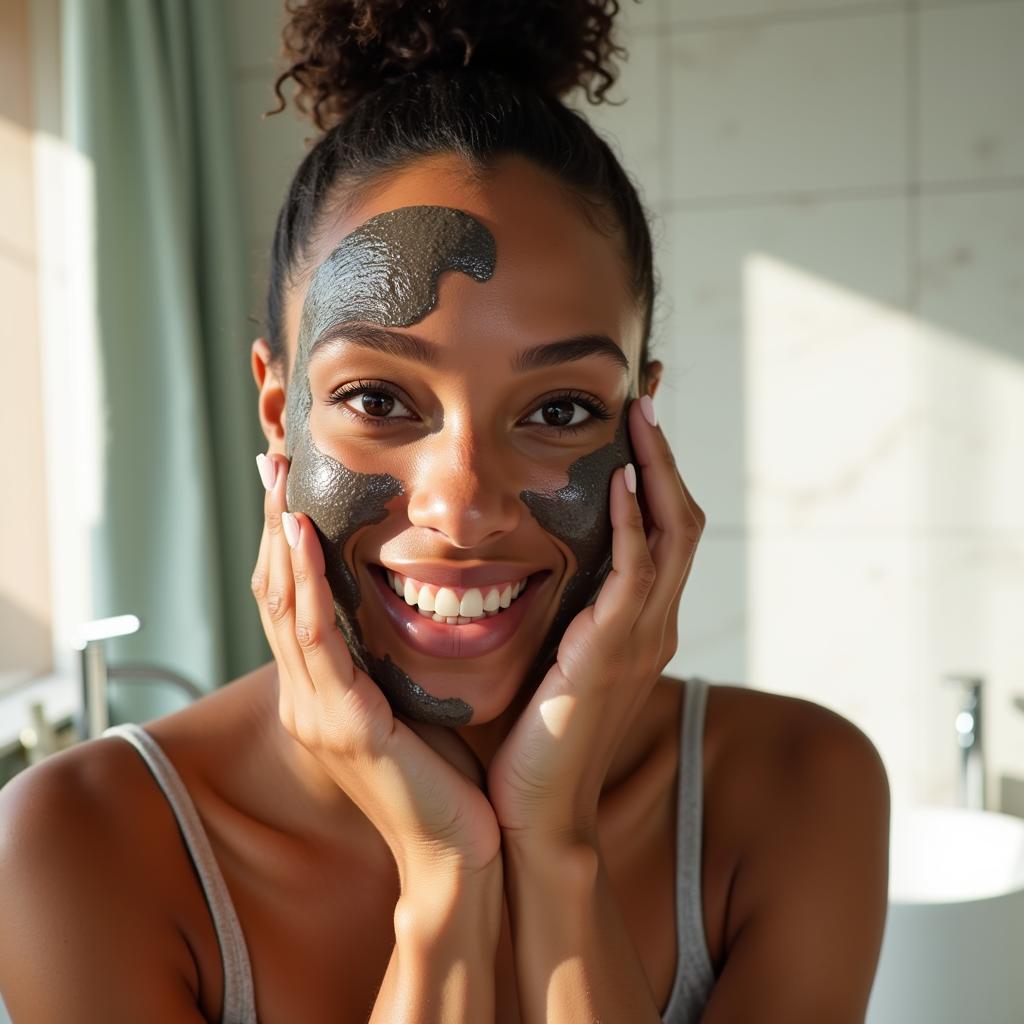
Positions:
{"x": 446, "y": 935}
{"x": 810, "y": 896}
{"x": 82, "y": 936}
{"x": 575, "y": 961}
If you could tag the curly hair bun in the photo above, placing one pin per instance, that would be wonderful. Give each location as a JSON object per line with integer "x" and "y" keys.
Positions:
{"x": 340, "y": 50}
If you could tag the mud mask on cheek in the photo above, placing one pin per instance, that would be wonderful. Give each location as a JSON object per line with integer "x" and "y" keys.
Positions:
{"x": 578, "y": 514}
{"x": 385, "y": 272}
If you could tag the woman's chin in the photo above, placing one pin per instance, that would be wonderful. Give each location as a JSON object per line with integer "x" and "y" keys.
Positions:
{"x": 488, "y": 693}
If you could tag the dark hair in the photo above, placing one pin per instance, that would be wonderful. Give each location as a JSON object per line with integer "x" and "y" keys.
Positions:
{"x": 390, "y": 81}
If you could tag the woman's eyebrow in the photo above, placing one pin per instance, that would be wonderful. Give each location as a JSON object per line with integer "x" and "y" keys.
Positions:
{"x": 408, "y": 346}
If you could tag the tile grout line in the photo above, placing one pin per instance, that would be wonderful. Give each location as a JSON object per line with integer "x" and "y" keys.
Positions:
{"x": 729, "y": 22}
{"x": 914, "y": 184}
{"x": 801, "y": 14}
{"x": 807, "y": 197}
{"x": 663, "y": 54}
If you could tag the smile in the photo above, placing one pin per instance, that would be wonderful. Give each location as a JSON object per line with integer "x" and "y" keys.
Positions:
{"x": 455, "y": 622}
{"x": 455, "y": 605}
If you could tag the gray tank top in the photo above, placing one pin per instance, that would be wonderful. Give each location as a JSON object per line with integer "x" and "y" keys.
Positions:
{"x": 694, "y": 975}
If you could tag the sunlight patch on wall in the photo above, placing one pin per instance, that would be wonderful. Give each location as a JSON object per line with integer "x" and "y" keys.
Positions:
{"x": 73, "y": 399}
{"x": 880, "y": 468}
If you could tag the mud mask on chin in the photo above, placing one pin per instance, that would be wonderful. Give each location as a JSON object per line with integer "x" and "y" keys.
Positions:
{"x": 385, "y": 272}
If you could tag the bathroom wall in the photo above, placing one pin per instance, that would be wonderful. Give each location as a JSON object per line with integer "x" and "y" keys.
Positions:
{"x": 837, "y": 190}
{"x": 25, "y": 604}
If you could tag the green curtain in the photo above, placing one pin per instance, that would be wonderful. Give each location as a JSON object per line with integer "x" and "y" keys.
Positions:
{"x": 148, "y": 101}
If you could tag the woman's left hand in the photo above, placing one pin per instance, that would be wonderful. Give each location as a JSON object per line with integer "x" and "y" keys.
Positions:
{"x": 545, "y": 780}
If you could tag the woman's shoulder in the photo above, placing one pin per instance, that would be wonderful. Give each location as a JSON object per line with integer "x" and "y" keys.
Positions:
{"x": 796, "y": 806}
{"x": 93, "y": 791}
{"x": 85, "y": 866}
{"x": 745, "y": 724}
{"x": 761, "y": 748}
{"x": 783, "y": 734}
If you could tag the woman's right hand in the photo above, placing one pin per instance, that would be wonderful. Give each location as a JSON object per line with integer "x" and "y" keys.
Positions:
{"x": 418, "y": 784}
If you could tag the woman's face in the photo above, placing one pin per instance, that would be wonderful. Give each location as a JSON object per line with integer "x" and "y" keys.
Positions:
{"x": 435, "y": 432}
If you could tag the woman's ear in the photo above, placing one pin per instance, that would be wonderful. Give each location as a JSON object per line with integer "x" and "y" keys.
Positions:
{"x": 650, "y": 377}
{"x": 271, "y": 400}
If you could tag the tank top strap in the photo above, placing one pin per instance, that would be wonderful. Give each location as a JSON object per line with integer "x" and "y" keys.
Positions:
{"x": 239, "y": 996}
{"x": 694, "y": 971}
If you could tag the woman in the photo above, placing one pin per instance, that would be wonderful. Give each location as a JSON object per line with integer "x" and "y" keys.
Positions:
{"x": 462, "y": 789}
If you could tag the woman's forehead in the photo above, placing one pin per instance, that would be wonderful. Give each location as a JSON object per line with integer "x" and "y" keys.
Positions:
{"x": 554, "y": 270}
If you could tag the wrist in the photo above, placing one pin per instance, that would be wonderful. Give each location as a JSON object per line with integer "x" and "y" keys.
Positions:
{"x": 559, "y": 863}
{"x": 437, "y": 903}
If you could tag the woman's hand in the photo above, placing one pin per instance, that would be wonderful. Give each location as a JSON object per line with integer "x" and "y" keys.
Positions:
{"x": 418, "y": 784}
{"x": 545, "y": 780}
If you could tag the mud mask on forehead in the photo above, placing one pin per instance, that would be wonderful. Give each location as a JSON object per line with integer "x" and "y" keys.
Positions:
{"x": 386, "y": 272}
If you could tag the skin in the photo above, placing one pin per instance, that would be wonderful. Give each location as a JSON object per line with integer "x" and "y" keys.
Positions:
{"x": 385, "y": 272}
{"x": 795, "y": 820}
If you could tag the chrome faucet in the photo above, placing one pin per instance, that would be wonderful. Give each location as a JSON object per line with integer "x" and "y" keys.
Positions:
{"x": 971, "y": 788}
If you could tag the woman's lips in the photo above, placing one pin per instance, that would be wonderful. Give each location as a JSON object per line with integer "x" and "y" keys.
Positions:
{"x": 441, "y": 640}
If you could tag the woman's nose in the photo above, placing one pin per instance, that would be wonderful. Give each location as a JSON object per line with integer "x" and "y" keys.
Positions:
{"x": 463, "y": 492}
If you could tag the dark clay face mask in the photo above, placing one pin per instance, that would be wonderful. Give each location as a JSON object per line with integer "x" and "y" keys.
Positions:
{"x": 385, "y": 272}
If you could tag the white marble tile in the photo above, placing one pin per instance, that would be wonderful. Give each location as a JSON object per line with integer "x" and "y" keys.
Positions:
{"x": 790, "y": 392}
{"x": 973, "y": 434}
{"x": 771, "y": 107}
{"x": 973, "y": 600}
{"x": 839, "y": 621}
{"x": 970, "y": 266}
{"x": 271, "y": 149}
{"x": 725, "y": 9}
{"x": 971, "y": 80}
{"x": 972, "y": 307}
{"x": 868, "y": 626}
{"x": 634, "y": 128}
{"x": 713, "y": 613}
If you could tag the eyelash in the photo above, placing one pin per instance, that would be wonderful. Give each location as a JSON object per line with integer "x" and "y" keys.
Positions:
{"x": 597, "y": 409}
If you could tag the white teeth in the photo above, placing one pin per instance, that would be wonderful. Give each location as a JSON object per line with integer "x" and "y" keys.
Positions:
{"x": 443, "y": 604}
{"x": 472, "y": 603}
{"x": 447, "y": 602}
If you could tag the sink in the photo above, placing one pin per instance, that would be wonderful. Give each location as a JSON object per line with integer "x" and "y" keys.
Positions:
{"x": 953, "y": 949}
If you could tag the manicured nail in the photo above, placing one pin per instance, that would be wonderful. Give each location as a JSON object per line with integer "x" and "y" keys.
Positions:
{"x": 291, "y": 528}
{"x": 268, "y": 470}
{"x": 647, "y": 408}
{"x": 630, "y": 478}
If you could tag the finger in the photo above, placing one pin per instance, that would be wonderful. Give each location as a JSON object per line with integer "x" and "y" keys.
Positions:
{"x": 260, "y": 578}
{"x": 628, "y": 585}
{"x": 328, "y": 660}
{"x": 676, "y": 520}
{"x": 280, "y": 602}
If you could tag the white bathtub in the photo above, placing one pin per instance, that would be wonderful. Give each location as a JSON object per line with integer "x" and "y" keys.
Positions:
{"x": 953, "y": 950}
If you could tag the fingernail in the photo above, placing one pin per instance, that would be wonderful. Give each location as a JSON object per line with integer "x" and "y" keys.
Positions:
{"x": 647, "y": 408}
{"x": 630, "y": 478}
{"x": 268, "y": 470}
{"x": 291, "y": 529}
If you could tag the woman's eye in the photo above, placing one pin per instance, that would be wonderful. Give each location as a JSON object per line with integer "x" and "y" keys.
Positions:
{"x": 561, "y": 412}
{"x": 376, "y": 405}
